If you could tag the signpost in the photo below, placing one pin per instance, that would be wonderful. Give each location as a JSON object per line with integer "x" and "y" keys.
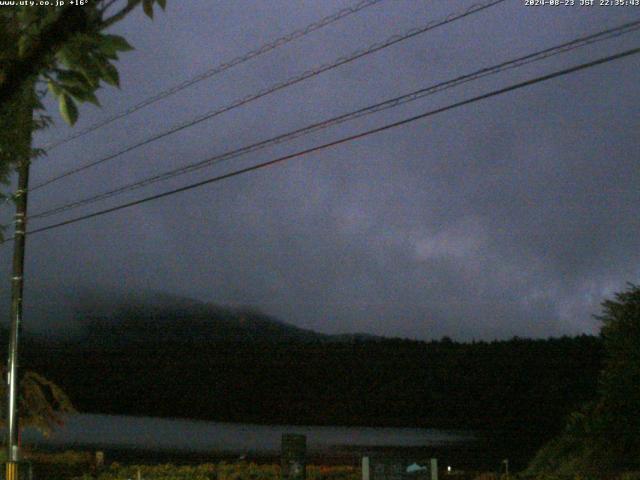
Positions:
{"x": 293, "y": 456}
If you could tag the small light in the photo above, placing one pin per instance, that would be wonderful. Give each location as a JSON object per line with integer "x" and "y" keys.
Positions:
{"x": 449, "y": 469}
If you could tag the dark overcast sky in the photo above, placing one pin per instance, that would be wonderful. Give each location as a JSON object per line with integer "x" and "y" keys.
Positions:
{"x": 516, "y": 215}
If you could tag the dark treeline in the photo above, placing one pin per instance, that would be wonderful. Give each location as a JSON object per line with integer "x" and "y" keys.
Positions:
{"x": 528, "y": 385}
{"x": 174, "y": 364}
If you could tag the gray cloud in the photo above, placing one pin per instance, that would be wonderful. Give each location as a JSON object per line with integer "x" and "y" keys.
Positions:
{"x": 512, "y": 216}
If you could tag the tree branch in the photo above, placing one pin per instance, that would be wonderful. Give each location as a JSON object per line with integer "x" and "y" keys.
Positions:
{"x": 121, "y": 14}
{"x": 71, "y": 21}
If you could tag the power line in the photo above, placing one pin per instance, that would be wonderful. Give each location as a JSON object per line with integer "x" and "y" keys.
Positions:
{"x": 367, "y": 133}
{"x": 390, "y": 103}
{"x": 279, "y": 86}
{"x": 279, "y": 42}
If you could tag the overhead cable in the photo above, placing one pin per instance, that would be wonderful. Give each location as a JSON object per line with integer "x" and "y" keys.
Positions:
{"x": 279, "y": 86}
{"x": 279, "y": 42}
{"x": 340, "y": 141}
{"x": 387, "y": 104}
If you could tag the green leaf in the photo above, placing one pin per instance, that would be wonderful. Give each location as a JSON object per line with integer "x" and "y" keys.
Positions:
{"x": 86, "y": 40}
{"x": 81, "y": 94}
{"x": 147, "y": 6}
{"x": 68, "y": 109}
{"x": 38, "y": 152}
{"x": 63, "y": 55}
{"x": 110, "y": 56}
{"x": 111, "y": 44}
{"x": 162, "y": 3}
{"x": 91, "y": 98}
{"x": 23, "y": 44}
{"x": 74, "y": 79}
{"x": 110, "y": 75}
{"x": 42, "y": 121}
{"x": 54, "y": 88}
{"x": 91, "y": 68}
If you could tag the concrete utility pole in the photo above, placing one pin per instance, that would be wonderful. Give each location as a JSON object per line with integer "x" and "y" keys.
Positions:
{"x": 24, "y": 123}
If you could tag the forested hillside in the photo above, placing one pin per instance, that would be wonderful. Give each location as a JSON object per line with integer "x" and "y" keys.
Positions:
{"x": 182, "y": 364}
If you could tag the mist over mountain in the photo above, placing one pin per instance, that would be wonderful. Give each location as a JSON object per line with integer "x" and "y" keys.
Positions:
{"x": 162, "y": 319}
{"x": 110, "y": 317}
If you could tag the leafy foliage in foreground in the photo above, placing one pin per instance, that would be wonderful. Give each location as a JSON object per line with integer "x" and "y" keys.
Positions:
{"x": 64, "y": 47}
{"x": 220, "y": 471}
{"x": 252, "y": 471}
{"x": 42, "y": 404}
{"x": 77, "y": 465}
{"x": 604, "y": 436}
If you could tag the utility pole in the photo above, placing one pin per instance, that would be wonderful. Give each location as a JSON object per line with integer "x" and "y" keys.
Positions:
{"x": 24, "y": 124}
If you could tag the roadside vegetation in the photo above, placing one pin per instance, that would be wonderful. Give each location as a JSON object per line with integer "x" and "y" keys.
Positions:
{"x": 603, "y": 437}
{"x": 72, "y": 465}
{"x": 77, "y": 466}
